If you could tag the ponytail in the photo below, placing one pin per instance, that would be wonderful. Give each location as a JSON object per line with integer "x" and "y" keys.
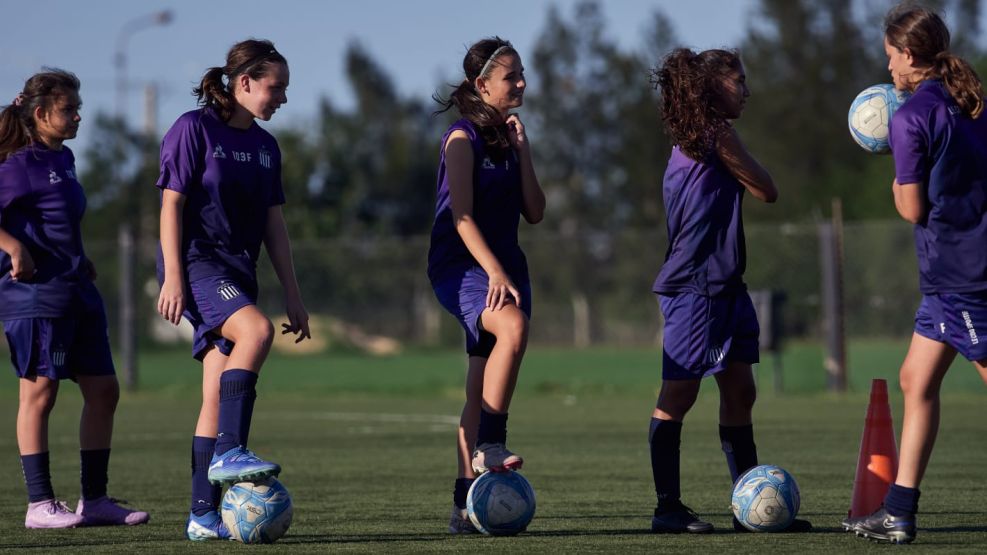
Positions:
{"x": 962, "y": 82}
{"x": 213, "y": 93}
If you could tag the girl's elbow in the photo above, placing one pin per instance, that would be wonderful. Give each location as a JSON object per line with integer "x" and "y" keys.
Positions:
{"x": 911, "y": 216}
{"x": 534, "y": 217}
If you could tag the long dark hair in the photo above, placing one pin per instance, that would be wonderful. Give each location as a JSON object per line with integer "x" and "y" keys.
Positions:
{"x": 466, "y": 99}
{"x": 17, "y": 125}
{"x": 690, "y": 83}
{"x": 926, "y": 36}
{"x": 253, "y": 57}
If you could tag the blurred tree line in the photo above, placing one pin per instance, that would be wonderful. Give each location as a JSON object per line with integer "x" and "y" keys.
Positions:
{"x": 368, "y": 172}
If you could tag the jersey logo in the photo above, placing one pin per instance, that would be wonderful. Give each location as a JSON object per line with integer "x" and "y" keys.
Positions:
{"x": 58, "y": 357}
{"x": 228, "y": 291}
{"x": 53, "y": 177}
{"x": 715, "y": 355}
{"x": 942, "y": 327}
{"x": 218, "y": 152}
{"x": 969, "y": 328}
{"x": 487, "y": 164}
{"x": 264, "y": 157}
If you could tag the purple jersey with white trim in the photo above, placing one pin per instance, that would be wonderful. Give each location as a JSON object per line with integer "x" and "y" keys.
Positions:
{"x": 41, "y": 205}
{"x": 934, "y": 143}
{"x": 496, "y": 211}
{"x": 230, "y": 177}
{"x": 706, "y": 253}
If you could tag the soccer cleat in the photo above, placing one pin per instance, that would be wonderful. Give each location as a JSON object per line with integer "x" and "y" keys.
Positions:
{"x": 494, "y": 457}
{"x": 882, "y": 526}
{"x": 206, "y": 527}
{"x": 797, "y": 526}
{"x": 106, "y": 511}
{"x": 240, "y": 465}
{"x": 50, "y": 513}
{"x": 460, "y": 523}
{"x": 674, "y": 518}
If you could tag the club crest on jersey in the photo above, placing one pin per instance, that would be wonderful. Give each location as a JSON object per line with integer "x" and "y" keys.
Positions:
{"x": 487, "y": 164}
{"x": 264, "y": 157}
{"x": 228, "y": 291}
{"x": 218, "y": 152}
{"x": 715, "y": 355}
{"x": 53, "y": 177}
{"x": 58, "y": 357}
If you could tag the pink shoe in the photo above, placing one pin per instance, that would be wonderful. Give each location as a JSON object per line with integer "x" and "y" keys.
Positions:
{"x": 50, "y": 513}
{"x": 106, "y": 511}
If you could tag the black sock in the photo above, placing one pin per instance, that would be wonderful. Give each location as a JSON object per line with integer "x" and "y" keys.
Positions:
{"x": 901, "y": 501}
{"x": 459, "y": 494}
{"x": 738, "y": 445}
{"x": 665, "y": 437}
{"x": 37, "y": 477}
{"x": 493, "y": 428}
{"x": 95, "y": 467}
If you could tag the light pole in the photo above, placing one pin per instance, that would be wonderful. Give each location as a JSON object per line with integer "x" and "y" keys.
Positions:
{"x": 127, "y": 317}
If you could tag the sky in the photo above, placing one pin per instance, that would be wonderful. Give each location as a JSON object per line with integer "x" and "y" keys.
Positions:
{"x": 419, "y": 43}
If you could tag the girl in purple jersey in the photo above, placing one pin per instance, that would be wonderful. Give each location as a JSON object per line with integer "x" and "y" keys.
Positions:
{"x": 221, "y": 199}
{"x": 53, "y": 316}
{"x": 486, "y": 183}
{"x": 939, "y": 144}
{"x": 710, "y": 324}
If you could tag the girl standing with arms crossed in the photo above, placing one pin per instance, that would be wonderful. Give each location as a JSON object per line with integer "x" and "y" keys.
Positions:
{"x": 939, "y": 143}
{"x": 486, "y": 183}
{"x": 710, "y": 325}
{"x": 53, "y": 315}
{"x": 221, "y": 198}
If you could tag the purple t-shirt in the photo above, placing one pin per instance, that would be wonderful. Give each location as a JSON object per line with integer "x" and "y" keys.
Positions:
{"x": 496, "y": 211}
{"x": 41, "y": 204}
{"x": 230, "y": 177}
{"x": 706, "y": 253}
{"x": 934, "y": 143}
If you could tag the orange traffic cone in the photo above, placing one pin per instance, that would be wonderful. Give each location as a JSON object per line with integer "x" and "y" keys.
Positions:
{"x": 878, "y": 462}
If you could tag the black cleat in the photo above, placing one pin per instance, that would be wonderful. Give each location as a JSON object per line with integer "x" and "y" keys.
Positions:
{"x": 675, "y": 518}
{"x": 797, "y": 526}
{"x": 882, "y": 526}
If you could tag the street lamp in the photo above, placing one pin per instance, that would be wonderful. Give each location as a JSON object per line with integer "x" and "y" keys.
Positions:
{"x": 128, "y": 253}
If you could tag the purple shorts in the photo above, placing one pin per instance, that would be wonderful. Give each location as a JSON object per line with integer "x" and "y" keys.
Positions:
{"x": 956, "y": 319}
{"x": 465, "y": 298}
{"x": 211, "y": 302}
{"x": 702, "y": 334}
{"x": 60, "y": 348}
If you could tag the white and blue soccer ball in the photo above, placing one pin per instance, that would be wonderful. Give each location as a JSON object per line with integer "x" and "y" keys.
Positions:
{"x": 257, "y": 512}
{"x": 500, "y": 503}
{"x": 765, "y": 499}
{"x": 870, "y": 114}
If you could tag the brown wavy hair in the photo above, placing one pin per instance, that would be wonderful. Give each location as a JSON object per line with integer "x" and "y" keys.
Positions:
{"x": 17, "y": 125}
{"x": 926, "y": 36}
{"x": 466, "y": 99}
{"x": 253, "y": 57}
{"x": 689, "y": 85}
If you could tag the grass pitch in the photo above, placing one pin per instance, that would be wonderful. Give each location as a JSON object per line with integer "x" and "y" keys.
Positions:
{"x": 368, "y": 451}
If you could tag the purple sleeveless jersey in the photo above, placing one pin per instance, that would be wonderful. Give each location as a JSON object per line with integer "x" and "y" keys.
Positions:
{"x": 706, "y": 250}
{"x": 934, "y": 143}
{"x": 41, "y": 204}
{"x": 230, "y": 178}
{"x": 496, "y": 211}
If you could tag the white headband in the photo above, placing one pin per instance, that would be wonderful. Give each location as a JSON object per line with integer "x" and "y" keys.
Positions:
{"x": 490, "y": 60}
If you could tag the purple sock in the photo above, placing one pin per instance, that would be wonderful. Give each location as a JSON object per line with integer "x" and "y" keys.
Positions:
{"x": 665, "y": 437}
{"x": 738, "y": 445}
{"x": 205, "y": 496}
{"x": 95, "y": 465}
{"x": 901, "y": 501}
{"x": 237, "y": 392}
{"x": 37, "y": 476}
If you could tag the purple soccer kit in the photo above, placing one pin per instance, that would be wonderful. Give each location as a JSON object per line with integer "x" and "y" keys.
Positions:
{"x": 54, "y": 321}
{"x": 459, "y": 282}
{"x": 230, "y": 178}
{"x": 938, "y": 147}
{"x": 709, "y": 318}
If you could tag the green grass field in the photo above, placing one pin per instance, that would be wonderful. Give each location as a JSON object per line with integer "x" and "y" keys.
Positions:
{"x": 367, "y": 445}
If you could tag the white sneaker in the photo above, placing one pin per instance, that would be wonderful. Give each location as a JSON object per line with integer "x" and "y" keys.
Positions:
{"x": 460, "y": 523}
{"x": 494, "y": 457}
